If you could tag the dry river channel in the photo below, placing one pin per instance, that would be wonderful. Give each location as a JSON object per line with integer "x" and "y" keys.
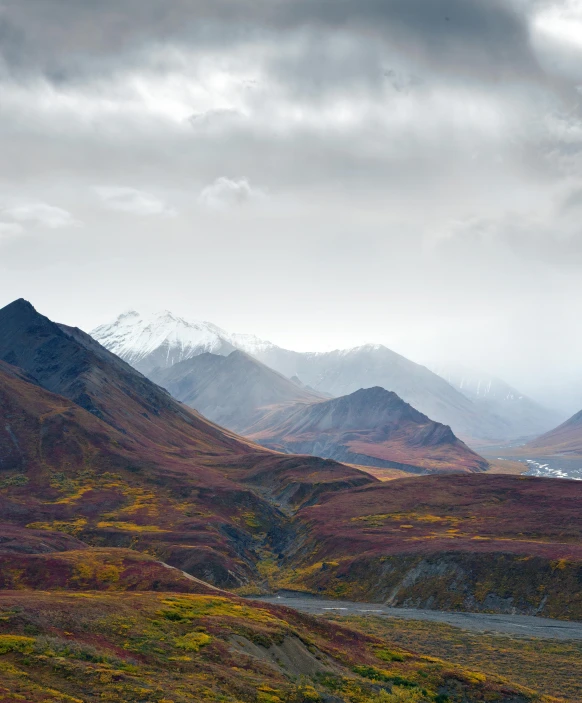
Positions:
{"x": 523, "y": 625}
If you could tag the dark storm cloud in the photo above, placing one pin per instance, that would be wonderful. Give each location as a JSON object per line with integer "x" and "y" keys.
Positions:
{"x": 61, "y": 38}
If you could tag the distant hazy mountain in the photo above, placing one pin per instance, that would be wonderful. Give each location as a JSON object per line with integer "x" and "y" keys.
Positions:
{"x": 162, "y": 340}
{"x": 371, "y": 427}
{"x": 344, "y": 372}
{"x": 563, "y": 440}
{"x": 233, "y": 391}
{"x": 522, "y": 416}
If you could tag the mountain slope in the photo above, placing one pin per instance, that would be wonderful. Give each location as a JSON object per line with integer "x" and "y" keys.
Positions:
{"x": 159, "y": 340}
{"x": 522, "y": 416}
{"x": 108, "y": 647}
{"x": 371, "y": 427}
{"x": 565, "y": 440}
{"x": 233, "y": 391}
{"x": 471, "y": 542}
{"x": 95, "y": 449}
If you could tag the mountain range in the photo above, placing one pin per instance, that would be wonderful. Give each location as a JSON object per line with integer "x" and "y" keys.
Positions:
{"x": 156, "y": 342}
{"x": 100, "y": 463}
{"x": 371, "y": 427}
{"x": 522, "y": 416}
{"x": 234, "y": 391}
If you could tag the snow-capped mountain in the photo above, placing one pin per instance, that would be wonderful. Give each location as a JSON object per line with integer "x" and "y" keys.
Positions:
{"x": 524, "y": 416}
{"x": 479, "y": 410}
{"x": 162, "y": 339}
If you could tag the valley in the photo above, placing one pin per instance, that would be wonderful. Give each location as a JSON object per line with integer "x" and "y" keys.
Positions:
{"x": 112, "y": 490}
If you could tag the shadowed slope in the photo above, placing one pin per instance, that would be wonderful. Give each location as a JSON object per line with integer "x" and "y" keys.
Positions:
{"x": 233, "y": 391}
{"x": 371, "y": 427}
{"x": 67, "y": 361}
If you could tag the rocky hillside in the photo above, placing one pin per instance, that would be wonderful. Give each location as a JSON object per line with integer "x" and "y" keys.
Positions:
{"x": 120, "y": 647}
{"x": 472, "y": 542}
{"x": 371, "y": 427}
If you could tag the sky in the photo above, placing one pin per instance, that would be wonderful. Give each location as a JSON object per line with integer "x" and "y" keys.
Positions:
{"x": 321, "y": 173}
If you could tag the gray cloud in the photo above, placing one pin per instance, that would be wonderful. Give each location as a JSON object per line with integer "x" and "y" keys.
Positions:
{"x": 58, "y": 37}
{"x": 226, "y": 193}
{"x": 133, "y": 201}
{"x": 425, "y": 156}
{"x": 39, "y": 215}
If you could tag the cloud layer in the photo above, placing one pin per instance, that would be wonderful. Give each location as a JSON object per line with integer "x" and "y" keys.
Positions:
{"x": 426, "y": 157}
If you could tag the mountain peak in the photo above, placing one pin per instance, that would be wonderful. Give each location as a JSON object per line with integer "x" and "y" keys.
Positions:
{"x": 162, "y": 339}
{"x": 19, "y": 306}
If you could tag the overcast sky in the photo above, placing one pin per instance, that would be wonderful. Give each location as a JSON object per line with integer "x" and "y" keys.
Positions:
{"x": 322, "y": 173}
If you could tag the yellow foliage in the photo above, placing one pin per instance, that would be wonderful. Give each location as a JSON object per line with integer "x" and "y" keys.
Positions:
{"x": 16, "y": 643}
{"x": 193, "y": 641}
{"x": 71, "y": 527}
{"x": 130, "y": 526}
{"x": 561, "y": 564}
{"x": 191, "y": 607}
{"x": 380, "y": 519}
{"x": 72, "y": 498}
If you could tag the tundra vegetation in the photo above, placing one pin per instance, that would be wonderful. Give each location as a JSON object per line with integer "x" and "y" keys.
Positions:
{"x": 124, "y": 514}
{"x": 69, "y": 646}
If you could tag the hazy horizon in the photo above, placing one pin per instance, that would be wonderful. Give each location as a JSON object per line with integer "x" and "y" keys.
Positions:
{"x": 322, "y": 175}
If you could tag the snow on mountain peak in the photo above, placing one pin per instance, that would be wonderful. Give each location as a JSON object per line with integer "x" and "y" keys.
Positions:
{"x": 162, "y": 339}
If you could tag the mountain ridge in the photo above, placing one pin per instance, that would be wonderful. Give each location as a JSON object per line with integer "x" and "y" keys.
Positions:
{"x": 230, "y": 390}
{"x": 335, "y": 373}
{"x": 371, "y": 427}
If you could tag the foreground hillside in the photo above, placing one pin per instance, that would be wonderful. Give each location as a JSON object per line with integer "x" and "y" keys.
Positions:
{"x": 520, "y": 659}
{"x": 84, "y": 646}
